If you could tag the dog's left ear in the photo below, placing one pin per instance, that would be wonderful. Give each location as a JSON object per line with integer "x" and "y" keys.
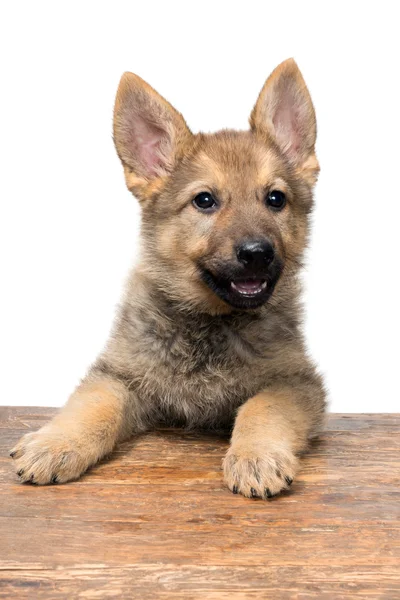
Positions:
{"x": 284, "y": 110}
{"x": 149, "y": 134}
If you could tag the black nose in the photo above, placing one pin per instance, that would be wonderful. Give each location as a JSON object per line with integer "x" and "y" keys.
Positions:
{"x": 256, "y": 254}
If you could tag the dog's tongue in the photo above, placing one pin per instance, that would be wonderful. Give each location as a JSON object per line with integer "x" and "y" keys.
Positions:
{"x": 249, "y": 286}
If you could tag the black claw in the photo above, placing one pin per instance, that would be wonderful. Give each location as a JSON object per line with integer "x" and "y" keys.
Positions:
{"x": 235, "y": 489}
{"x": 20, "y": 473}
{"x": 268, "y": 493}
{"x": 288, "y": 480}
{"x": 253, "y": 493}
{"x": 54, "y": 479}
{"x": 31, "y": 478}
{"x": 12, "y": 454}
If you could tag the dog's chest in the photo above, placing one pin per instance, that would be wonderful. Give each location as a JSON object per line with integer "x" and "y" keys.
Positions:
{"x": 200, "y": 371}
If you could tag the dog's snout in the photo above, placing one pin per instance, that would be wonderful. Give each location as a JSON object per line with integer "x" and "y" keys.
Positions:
{"x": 256, "y": 254}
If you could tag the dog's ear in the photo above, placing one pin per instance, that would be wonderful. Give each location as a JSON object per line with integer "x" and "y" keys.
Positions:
{"x": 284, "y": 110}
{"x": 149, "y": 134}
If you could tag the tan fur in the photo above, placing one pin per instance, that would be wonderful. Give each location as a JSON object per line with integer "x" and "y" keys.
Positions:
{"x": 271, "y": 429}
{"x": 87, "y": 428}
{"x": 179, "y": 353}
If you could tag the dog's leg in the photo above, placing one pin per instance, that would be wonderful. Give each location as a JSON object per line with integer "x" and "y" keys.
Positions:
{"x": 100, "y": 413}
{"x": 271, "y": 429}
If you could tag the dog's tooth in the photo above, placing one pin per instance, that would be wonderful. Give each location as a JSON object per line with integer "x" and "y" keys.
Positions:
{"x": 252, "y": 292}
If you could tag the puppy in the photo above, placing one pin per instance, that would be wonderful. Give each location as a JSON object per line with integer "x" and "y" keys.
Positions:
{"x": 208, "y": 333}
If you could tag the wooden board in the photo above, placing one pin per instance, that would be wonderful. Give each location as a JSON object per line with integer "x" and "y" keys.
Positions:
{"x": 157, "y": 522}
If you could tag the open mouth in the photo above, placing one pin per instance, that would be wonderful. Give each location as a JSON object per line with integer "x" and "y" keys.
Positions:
{"x": 244, "y": 290}
{"x": 249, "y": 287}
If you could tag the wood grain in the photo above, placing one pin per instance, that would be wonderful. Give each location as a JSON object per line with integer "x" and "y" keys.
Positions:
{"x": 155, "y": 521}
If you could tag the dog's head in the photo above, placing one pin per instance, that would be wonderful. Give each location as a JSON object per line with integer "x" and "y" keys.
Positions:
{"x": 225, "y": 215}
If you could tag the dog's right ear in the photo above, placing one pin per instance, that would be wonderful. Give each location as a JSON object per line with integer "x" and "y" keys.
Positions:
{"x": 149, "y": 134}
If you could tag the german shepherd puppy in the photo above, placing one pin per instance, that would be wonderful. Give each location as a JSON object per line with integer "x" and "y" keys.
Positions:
{"x": 208, "y": 332}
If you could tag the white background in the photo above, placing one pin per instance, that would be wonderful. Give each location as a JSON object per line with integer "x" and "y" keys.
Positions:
{"x": 69, "y": 227}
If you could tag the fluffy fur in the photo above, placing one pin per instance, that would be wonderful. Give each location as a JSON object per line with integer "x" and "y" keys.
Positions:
{"x": 181, "y": 353}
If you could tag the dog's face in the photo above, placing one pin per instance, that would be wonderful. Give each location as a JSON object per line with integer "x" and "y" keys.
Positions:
{"x": 225, "y": 215}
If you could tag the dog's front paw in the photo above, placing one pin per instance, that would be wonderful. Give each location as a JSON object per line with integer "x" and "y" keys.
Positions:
{"x": 48, "y": 456}
{"x": 259, "y": 474}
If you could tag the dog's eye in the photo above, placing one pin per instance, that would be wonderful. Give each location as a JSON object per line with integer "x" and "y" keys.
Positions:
{"x": 276, "y": 199}
{"x": 204, "y": 201}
